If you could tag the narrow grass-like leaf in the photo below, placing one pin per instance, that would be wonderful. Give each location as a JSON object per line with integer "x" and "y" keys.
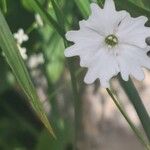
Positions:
{"x": 37, "y": 7}
{"x": 135, "y": 10}
{"x": 77, "y": 102}
{"x": 58, "y": 13}
{"x": 135, "y": 99}
{"x": 144, "y": 4}
{"x": 3, "y": 4}
{"x": 131, "y": 124}
{"x": 14, "y": 59}
{"x": 84, "y": 7}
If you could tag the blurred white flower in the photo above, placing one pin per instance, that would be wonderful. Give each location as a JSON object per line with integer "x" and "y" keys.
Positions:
{"x": 35, "y": 60}
{"x": 20, "y": 36}
{"x": 23, "y": 52}
{"x": 38, "y": 20}
{"x": 110, "y": 42}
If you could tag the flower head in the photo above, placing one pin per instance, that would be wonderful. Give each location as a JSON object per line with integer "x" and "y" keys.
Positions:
{"x": 20, "y": 36}
{"x": 110, "y": 42}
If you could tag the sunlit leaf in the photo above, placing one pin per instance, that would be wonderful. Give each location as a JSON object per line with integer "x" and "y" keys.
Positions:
{"x": 14, "y": 59}
{"x": 37, "y": 7}
{"x": 3, "y": 5}
{"x": 145, "y": 4}
{"x": 84, "y": 7}
{"x": 133, "y": 9}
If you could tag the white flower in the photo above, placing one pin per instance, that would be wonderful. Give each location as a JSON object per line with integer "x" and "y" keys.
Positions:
{"x": 39, "y": 20}
{"x": 23, "y": 52}
{"x": 110, "y": 42}
{"x": 20, "y": 36}
{"x": 36, "y": 60}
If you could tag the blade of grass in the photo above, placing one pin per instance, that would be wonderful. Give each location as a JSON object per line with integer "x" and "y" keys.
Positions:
{"x": 58, "y": 13}
{"x": 135, "y": 99}
{"x": 84, "y": 7}
{"x": 14, "y": 59}
{"x": 77, "y": 102}
{"x": 37, "y": 7}
{"x": 131, "y": 124}
{"x": 4, "y": 6}
{"x": 144, "y": 4}
{"x": 70, "y": 63}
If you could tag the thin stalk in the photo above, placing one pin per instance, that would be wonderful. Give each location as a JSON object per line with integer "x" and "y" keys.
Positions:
{"x": 4, "y": 5}
{"x": 77, "y": 107}
{"x": 135, "y": 99}
{"x": 133, "y": 127}
{"x": 31, "y": 28}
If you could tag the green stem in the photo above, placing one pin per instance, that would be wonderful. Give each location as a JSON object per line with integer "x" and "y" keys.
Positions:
{"x": 135, "y": 99}
{"x": 31, "y": 28}
{"x": 4, "y": 6}
{"x": 71, "y": 66}
{"x": 76, "y": 97}
{"x": 135, "y": 130}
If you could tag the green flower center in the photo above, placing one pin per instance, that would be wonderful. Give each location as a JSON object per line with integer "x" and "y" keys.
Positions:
{"x": 111, "y": 40}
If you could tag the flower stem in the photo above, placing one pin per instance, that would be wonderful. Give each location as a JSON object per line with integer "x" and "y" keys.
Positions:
{"x": 4, "y": 6}
{"x": 135, "y": 99}
{"x": 31, "y": 28}
{"x": 133, "y": 127}
{"x": 77, "y": 103}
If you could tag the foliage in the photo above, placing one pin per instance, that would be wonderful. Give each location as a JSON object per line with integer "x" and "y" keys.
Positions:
{"x": 18, "y": 123}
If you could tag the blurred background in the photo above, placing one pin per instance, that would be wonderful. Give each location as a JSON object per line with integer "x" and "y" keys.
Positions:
{"x": 101, "y": 126}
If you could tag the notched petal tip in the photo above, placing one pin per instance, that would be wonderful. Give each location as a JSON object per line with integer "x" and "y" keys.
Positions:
{"x": 68, "y": 35}
{"x": 139, "y": 76}
{"x": 143, "y": 18}
{"x": 104, "y": 83}
{"x": 82, "y": 24}
{"x": 70, "y": 51}
{"x": 88, "y": 79}
{"x": 95, "y": 6}
{"x": 109, "y": 5}
{"x": 125, "y": 77}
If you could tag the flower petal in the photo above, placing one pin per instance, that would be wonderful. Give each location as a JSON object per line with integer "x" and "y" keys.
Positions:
{"x": 104, "y": 69}
{"x": 95, "y": 9}
{"x": 130, "y": 62}
{"x": 83, "y": 35}
{"x": 133, "y": 31}
{"x": 109, "y": 6}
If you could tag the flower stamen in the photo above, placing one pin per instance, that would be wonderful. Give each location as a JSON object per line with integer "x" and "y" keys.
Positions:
{"x": 111, "y": 40}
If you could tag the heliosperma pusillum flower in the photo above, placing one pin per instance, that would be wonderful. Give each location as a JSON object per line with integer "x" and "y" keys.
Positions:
{"x": 110, "y": 42}
{"x": 21, "y": 37}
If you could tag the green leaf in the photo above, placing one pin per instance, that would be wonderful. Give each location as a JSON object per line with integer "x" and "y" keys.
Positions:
{"x": 52, "y": 46}
{"x": 136, "y": 100}
{"x": 84, "y": 7}
{"x": 60, "y": 18}
{"x": 26, "y": 5}
{"x": 3, "y": 5}
{"x": 129, "y": 121}
{"x": 14, "y": 59}
{"x": 133, "y": 9}
{"x": 55, "y": 57}
{"x": 64, "y": 135}
{"x": 37, "y": 7}
{"x": 144, "y": 4}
